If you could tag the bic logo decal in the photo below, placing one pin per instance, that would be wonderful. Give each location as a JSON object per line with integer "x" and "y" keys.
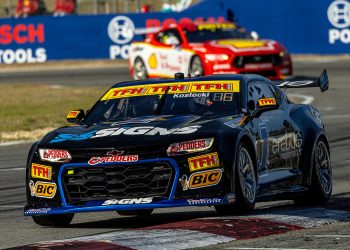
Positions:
{"x": 201, "y": 179}
{"x": 43, "y": 189}
{"x": 41, "y": 171}
{"x": 339, "y": 16}
{"x": 203, "y": 162}
{"x": 267, "y": 102}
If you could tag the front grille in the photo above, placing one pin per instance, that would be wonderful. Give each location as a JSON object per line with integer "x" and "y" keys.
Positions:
{"x": 117, "y": 182}
{"x": 241, "y": 61}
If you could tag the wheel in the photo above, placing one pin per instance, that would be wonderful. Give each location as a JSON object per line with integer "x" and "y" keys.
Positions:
{"x": 143, "y": 212}
{"x": 245, "y": 184}
{"x": 196, "y": 67}
{"x": 321, "y": 182}
{"x": 57, "y": 220}
{"x": 140, "y": 70}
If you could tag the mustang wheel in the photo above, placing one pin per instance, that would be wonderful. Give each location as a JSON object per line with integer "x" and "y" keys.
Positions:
{"x": 143, "y": 212}
{"x": 57, "y": 220}
{"x": 196, "y": 67}
{"x": 140, "y": 70}
{"x": 245, "y": 183}
{"x": 321, "y": 184}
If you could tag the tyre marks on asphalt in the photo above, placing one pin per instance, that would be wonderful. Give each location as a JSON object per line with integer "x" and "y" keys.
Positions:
{"x": 201, "y": 232}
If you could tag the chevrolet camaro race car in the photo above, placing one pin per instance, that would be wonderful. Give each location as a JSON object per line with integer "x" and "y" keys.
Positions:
{"x": 222, "y": 140}
{"x": 207, "y": 48}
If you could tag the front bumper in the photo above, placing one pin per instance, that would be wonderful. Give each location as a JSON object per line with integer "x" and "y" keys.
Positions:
{"x": 96, "y": 206}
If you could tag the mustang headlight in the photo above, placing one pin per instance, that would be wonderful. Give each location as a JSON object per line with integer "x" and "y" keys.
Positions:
{"x": 54, "y": 155}
{"x": 217, "y": 57}
{"x": 189, "y": 147}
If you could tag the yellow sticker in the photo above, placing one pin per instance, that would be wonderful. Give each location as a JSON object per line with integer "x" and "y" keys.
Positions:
{"x": 242, "y": 44}
{"x": 43, "y": 189}
{"x": 215, "y": 26}
{"x": 152, "y": 61}
{"x": 174, "y": 88}
{"x": 41, "y": 171}
{"x": 73, "y": 114}
{"x": 203, "y": 162}
{"x": 204, "y": 179}
{"x": 267, "y": 102}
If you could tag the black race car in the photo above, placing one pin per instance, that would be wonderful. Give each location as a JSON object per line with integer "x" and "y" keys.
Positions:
{"x": 222, "y": 140}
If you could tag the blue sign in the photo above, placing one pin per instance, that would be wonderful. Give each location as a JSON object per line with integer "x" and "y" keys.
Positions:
{"x": 313, "y": 26}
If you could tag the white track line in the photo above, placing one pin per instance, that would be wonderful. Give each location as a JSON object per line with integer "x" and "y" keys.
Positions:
{"x": 14, "y": 206}
{"x": 12, "y": 169}
{"x": 262, "y": 248}
{"x": 336, "y": 116}
{"x": 329, "y": 236}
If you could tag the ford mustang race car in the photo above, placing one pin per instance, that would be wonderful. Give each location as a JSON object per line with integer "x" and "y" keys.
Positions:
{"x": 207, "y": 48}
{"x": 223, "y": 140}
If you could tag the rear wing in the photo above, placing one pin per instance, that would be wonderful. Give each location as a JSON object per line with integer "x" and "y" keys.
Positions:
{"x": 322, "y": 82}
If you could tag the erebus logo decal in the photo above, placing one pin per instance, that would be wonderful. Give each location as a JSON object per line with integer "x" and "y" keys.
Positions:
{"x": 121, "y": 31}
{"x": 288, "y": 146}
{"x": 128, "y": 201}
{"x": 339, "y": 16}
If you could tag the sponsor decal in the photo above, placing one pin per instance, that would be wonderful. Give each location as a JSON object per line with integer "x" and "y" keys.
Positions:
{"x": 128, "y": 201}
{"x": 73, "y": 114}
{"x": 201, "y": 179}
{"x": 146, "y": 130}
{"x": 288, "y": 146}
{"x": 73, "y": 137}
{"x": 339, "y": 16}
{"x": 267, "y": 102}
{"x": 189, "y": 146}
{"x": 174, "y": 88}
{"x": 43, "y": 189}
{"x": 152, "y": 61}
{"x": 203, "y": 162}
{"x": 215, "y": 26}
{"x": 41, "y": 171}
{"x": 149, "y": 130}
{"x": 204, "y": 201}
{"x": 113, "y": 158}
{"x": 197, "y": 95}
{"x": 54, "y": 155}
{"x": 235, "y": 122}
{"x": 38, "y": 210}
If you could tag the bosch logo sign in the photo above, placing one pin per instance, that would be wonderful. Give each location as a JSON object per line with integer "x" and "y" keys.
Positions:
{"x": 339, "y": 16}
{"x": 121, "y": 31}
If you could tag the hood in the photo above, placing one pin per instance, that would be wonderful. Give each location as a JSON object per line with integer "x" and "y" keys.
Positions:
{"x": 147, "y": 131}
{"x": 240, "y": 45}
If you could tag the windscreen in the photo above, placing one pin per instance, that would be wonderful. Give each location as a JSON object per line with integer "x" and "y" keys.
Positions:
{"x": 202, "y": 98}
{"x": 215, "y": 31}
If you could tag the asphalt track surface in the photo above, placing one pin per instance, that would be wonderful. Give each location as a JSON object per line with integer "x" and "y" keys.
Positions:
{"x": 17, "y": 230}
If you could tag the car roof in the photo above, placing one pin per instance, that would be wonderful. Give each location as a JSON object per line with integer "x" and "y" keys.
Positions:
{"x": 243, "y": 78}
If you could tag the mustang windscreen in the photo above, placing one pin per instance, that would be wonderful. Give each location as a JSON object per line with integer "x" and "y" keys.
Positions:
{"x": 207, "y": 104}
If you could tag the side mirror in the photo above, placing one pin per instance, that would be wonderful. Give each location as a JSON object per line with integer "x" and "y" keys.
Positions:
{"x": 75, "y": 116}
{"x": 267, "y": 103}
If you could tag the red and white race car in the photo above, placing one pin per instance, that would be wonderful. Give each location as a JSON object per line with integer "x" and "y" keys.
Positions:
{"x": 207, "y": 48}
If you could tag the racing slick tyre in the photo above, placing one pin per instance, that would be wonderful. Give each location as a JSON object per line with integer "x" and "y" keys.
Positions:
{"x": 140, "y": 70}
{"x": 57, "y": 220}
{"x": 196, "y": 66}
{"x": 143, "y": 212}
{"x": 245, "y": 184}
{"x": 321, "y": 182}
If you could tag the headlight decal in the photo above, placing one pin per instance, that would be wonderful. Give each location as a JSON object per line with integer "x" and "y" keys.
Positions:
{"x": 54, "y": 155}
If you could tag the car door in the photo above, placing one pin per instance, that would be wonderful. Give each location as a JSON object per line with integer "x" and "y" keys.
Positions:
{"x": 271, "y": 131}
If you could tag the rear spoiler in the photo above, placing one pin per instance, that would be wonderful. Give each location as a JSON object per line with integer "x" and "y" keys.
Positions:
{"x": 322, "y": 82}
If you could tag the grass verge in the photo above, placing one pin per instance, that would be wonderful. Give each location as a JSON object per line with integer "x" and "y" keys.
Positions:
{"x": 29, "y": 111}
